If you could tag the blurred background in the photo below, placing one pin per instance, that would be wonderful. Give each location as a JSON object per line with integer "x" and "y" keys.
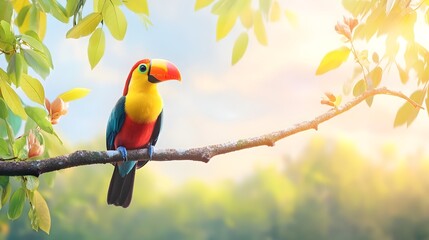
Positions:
{"x": 357, "y": 177}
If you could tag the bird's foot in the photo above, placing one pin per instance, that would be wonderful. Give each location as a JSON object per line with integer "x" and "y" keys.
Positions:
{"x": 150, "y": 151}
{"x": 123, "y": 152}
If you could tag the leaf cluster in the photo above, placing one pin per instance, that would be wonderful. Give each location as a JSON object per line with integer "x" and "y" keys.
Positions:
{"x": 394, "y": 23}
{"x": 231, "y": 13}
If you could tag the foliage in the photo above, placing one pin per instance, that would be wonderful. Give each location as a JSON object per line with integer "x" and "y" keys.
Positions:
{"x": 330, "y": 191}
{"x": 393, "y": 23}
{"x": 230, "y": 12}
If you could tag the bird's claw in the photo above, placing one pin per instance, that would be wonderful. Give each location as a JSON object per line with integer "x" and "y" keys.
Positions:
{"x": 150, "y": 151}
{"x": 123, "y": 152}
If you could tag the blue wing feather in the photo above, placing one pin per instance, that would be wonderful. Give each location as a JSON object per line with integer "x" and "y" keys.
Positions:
{"x": 114, "y": 125}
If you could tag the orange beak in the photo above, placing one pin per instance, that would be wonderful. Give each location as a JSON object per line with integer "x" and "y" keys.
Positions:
{"x": 163, "y": 70}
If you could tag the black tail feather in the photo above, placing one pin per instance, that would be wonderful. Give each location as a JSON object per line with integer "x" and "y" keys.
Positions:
{"x": 121, "y": 188}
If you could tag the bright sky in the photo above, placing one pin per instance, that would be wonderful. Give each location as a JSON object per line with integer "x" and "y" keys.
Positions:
{"x": 270, "y": 89}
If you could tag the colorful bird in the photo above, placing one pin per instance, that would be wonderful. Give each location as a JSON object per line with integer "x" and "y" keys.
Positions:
{"x": 135, "y": 122}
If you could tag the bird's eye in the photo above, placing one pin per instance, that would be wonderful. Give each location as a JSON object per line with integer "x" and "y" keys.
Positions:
{"x": 143, "y": 68}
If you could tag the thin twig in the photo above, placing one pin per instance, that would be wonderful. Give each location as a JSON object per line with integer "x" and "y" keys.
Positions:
{"x": 202, "y": 154}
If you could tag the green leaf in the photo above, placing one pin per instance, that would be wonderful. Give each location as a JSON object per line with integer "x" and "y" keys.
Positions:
{"x": 58, "y": 11}
{"x": 33, "y": 42}
{"x": 4, "y": 148}
{"x": 38, "y": 61}
{"x": 333, "y": 60}
{"x": 85, "y": 26}
{"x": 16, "y": 204}
{"x": 45, "y": 5}
{"x": 115, "y": 21}
{"x": 16, "y": 66}
{"x": 202, "y": 4}
{"x": 225, "y": 23}
{"x": 32, "y": 183}
{"x": 12, "y": 100}
{"x": 72, "y": 7}
{"x": 408, "y": 113}
{"x": 259, "y": 28}
{"x": 42, "y": 212}
{"x": 19, "y": 148}
{"x": 33, "y": 89}
{"x": 3, "y": 109}
{"x": 240, "y": 47}
{"x": 4, "y": 181}
{"x": 4, "y": 76}
{"x": 6, "y": 193}
{"x": 96, "y": 47}
{"x": 40, "y": 116}
{"x": 74, "y": 94}
{"x": 6, "y": 11}
{"x": 138, "y": 6}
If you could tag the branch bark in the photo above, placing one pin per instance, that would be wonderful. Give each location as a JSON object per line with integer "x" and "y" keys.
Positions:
{"x": 202, "y": 154}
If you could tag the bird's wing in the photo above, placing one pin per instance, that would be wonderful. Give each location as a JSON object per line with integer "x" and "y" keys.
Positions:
{"x": 114, "y": 125}
{"x": 156, "y": 130}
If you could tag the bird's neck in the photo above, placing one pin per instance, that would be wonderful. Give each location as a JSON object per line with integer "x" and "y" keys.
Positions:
{"x": 144, "y": 105}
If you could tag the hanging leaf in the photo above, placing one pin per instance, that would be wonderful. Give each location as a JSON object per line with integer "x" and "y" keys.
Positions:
{"x": 359, "y": 88}
{"x": 74, "y": 94}
{"x": 58, "y": 11}
{"x": 276, "y": 12}
{"x": 259, "y": 28}
{"x": 37, "y": 61}
{"x": 7, "y": 10}
{"x": 42, "y": 212}
{"x": 16, "y": 204}
{"x": 375, "y": 76}
{"x": 224, "y": 25}
{"x": 33, "y": 42}
{"x": 12, "y": 100}
{"x": 403, "y": 75}
{"x": 240, "y": 47}
{"x": 115, "y": 21}
{"x": 4, "y": 148}
{"x": 16, "y": 66}
{"x": 96, "y": 47}
{"x": 246, "y": 17}
{"x": 138, "y": 6}
{"x": 86, "y": 26}
{"x": 202, "y": 4}
{"x": 333, "y": 60}
{"x": 3, "y": 109}
{"x": 33, "y": 89}
{"x": 408, "y": 113}
{"x": 31, "y": 183}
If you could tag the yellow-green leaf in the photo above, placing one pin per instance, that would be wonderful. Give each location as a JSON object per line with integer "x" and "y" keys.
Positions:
{"x": 12, "y": 100}
{"x": 96, "y": 47}
{"x": 137, "y": 6}
{"x": 42, "y": 212}
{"x": 275, "y": 12}
{"x": 33, "y": 89}
{"x": 403, "y": 75}
{"x": 259, "y": 28}
{"x": 4, "y": 113}
{"x": 58, "y": 11}
{"x": 16, "y": 204}
{"x": 74, "y": 94}
{"x": 359, "y": 88}
{"x": 115, "y": 21}
{"x": 292, "y": 18}
{"x": 225, "y": 23}
{"x": 375, "y": 76}
{"x": 202, "y": 4}
{"x": 333, "y": 60}
{"x": 240, "y": 47}
{"x": 40, "y": 117}
{"x": 86, "y": 26}
{"x": 408, "y": 113}
{"x": 246, "y": 17}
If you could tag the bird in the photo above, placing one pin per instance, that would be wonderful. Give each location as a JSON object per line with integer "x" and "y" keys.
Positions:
{"x": 135, "y": 123}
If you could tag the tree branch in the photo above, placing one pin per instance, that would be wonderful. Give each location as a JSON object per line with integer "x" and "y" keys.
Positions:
{"x": 203, "y": 154}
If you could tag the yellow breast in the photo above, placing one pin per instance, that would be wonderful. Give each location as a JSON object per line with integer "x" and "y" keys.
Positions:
{"x": 143, "y": 107}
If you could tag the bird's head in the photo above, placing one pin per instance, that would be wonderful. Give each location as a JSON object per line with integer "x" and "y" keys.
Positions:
{"x": 147, "y": 73}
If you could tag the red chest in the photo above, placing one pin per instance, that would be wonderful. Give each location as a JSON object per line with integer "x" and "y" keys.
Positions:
{"x": 134, "y": 135}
